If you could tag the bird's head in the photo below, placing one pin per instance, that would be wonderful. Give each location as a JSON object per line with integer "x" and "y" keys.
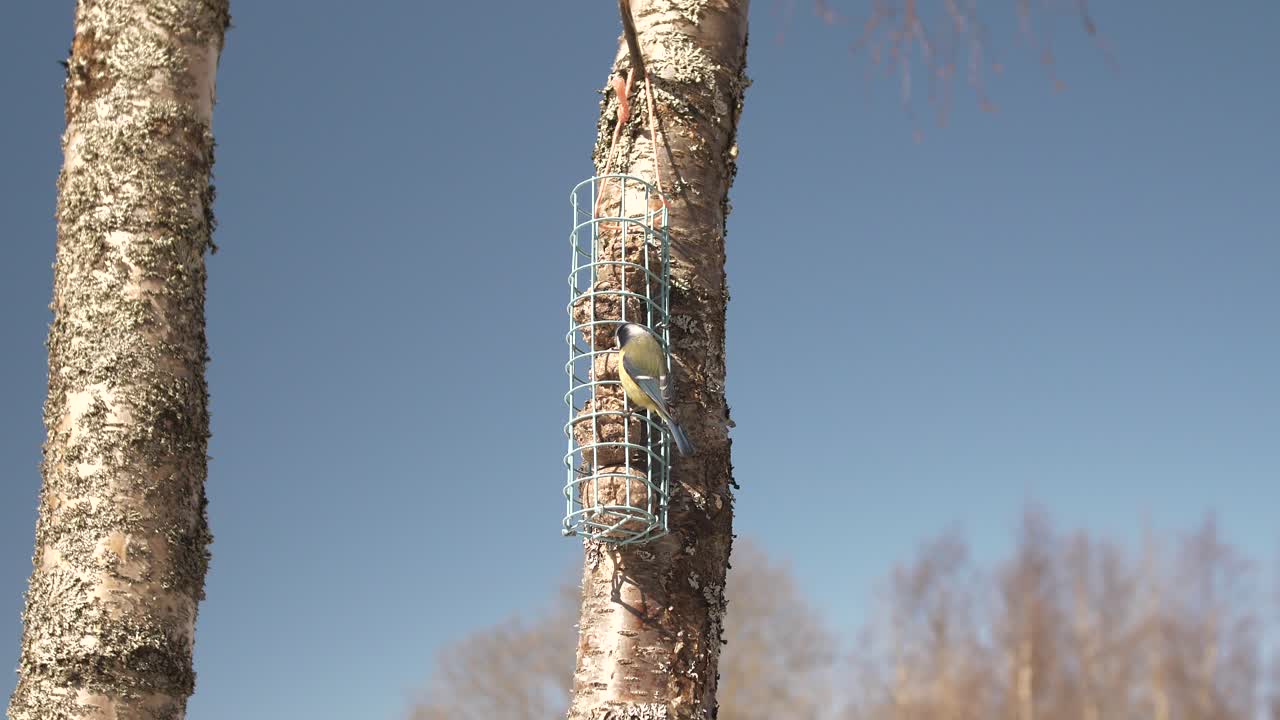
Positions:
{"x": 627, "y": 331}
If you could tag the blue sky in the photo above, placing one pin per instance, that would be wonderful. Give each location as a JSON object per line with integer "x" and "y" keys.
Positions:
{"x": 1072, "y": 300}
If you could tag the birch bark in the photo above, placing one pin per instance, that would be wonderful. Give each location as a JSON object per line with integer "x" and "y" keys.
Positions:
{"x": 652, "y": 616}
{"x": 121, "y": 543}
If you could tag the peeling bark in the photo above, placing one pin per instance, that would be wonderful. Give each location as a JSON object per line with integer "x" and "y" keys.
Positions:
{"x": 652, "y": 616}
{"x": 121, "y": 545}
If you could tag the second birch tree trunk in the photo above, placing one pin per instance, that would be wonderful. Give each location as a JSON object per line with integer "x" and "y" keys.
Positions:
{"x": 652, "y": 616}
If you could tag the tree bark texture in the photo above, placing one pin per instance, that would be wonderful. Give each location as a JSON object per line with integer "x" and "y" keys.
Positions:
{"x": 121, "y": 544}
{"x": 652, "y": 616}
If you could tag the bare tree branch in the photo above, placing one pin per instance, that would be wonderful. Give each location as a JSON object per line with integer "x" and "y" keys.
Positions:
{"x": 931, "y": 43}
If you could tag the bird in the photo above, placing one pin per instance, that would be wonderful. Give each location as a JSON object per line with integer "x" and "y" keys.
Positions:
{"x": 640, "y": 368}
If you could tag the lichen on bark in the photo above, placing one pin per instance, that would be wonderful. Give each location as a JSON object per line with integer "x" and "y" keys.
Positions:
{"x": 121, "y": 546}
{"x": 652, "y": 616}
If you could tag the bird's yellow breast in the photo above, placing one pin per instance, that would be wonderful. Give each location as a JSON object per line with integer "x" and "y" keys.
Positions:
{"x": 645, "y": 355}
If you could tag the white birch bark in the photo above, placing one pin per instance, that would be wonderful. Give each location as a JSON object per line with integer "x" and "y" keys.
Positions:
{"x": 122, "y": 540}
{"x": 653, "y": 616}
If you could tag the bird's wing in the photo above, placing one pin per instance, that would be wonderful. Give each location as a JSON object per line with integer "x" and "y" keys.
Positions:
{"x": 649, "y": 384}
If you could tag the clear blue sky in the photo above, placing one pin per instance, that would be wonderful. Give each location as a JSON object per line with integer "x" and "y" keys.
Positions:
{"x": 1072, "y": 300}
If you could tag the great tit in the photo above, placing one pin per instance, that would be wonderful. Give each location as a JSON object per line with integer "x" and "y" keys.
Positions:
{"x": 641, "y": 366}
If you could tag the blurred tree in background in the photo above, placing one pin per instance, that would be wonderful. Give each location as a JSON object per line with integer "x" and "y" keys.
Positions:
{"x": 778, "y": 662}
{"x": 1067, "y": 627}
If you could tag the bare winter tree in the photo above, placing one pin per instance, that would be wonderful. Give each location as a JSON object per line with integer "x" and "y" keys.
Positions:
{"x": 948, "y": 640}
{"x": 1154, "y": 685}
{"x": 1079, "y": 631}
{"x": 1273, "y": 692}
{"x": 780, "y": 654}
{"x": 516, "y": 670}
{"x": 926, "y": 658}
{"x": 122, "y": 539}
{"x": 1273, "y": 676}
{"x": 1210, "y": 650}
{"x": 1101, "y": 632}
{"x": 1026, "y": 628}
{"x": 777, "y": 664}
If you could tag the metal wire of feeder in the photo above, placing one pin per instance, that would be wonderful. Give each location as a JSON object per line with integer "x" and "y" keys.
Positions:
{"x": 619, "y": 456}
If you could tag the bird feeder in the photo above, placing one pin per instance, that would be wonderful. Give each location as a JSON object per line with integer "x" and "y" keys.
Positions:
{"x": 618, "y": 460}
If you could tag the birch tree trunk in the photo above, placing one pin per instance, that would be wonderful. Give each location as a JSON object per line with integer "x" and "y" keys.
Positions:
{"x": 652, "y": 616}
{"x": 122, "y": 540}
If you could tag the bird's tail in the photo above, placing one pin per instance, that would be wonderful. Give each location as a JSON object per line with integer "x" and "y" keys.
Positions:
{"x": 682, "y": 441}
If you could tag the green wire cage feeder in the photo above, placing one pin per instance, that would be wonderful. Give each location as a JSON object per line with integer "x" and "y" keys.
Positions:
{"x": 619, "y": 456}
